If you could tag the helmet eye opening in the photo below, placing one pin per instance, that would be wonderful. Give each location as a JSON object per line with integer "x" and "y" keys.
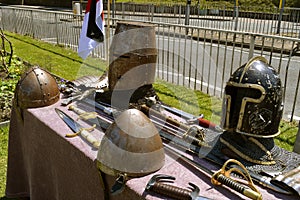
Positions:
{"x": 242, "y": 92}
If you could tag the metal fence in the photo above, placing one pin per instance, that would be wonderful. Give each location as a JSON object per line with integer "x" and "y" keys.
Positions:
{"x": 191, "y": 56}
{"x": 266, "y": 20}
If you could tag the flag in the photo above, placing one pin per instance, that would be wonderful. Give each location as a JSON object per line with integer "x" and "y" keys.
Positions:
{"x": 92, "y": 32}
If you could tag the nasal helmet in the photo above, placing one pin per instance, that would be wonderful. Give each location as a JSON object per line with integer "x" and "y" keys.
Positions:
{"x": 131, "y": 146}
{"x": 252, "y": 103}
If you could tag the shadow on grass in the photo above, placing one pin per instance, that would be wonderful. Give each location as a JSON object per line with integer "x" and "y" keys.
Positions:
{"x": 50, "y": 51}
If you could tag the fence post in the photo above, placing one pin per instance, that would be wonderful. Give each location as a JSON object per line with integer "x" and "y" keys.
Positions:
{"x": 56, "y": 27}
{"x": 179, "y": 13}
{"x": 297, "y": 142}
{"x": 187, "y": 12}
{"x": 149, "y": 12}
{"x": 280, "y": 15}
{"x": 236, "y": 20}
{"x": 2, "y": 19}
{"x": 14, "y": 11}
{"x": 187, "y": 15}
{"x": 251, "y": 47}
{"x": 152, "y": 12}
{"x": 113, "y": 9}
{"x": 123, "y": 10}
{"x": 295, "y": 98}
{"x": 32, "y": 24}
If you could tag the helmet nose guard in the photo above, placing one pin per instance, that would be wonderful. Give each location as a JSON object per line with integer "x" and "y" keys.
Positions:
{"x": 252, "y": 102}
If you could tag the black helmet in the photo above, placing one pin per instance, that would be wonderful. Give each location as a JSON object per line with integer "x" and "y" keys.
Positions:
{"x": 253, "y": 100}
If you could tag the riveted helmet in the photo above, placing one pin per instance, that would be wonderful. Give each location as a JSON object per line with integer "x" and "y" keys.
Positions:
{"x": 131, "y": 145}
{"x": 132, "y": 63}
{"x": 36, "y": 88}
{"x": 253, "y": 100}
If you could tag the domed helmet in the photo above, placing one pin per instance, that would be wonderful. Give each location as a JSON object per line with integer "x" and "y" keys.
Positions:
{"x": 131, "y": 145}
{"x": 36, "y": 88}
{"x": 253, "y": 100}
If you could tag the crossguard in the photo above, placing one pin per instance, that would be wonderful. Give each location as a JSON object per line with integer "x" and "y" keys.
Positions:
{"x": 84, "y": 132}
{"x": 223, "y": 177}
{"x": 155, "y": 184}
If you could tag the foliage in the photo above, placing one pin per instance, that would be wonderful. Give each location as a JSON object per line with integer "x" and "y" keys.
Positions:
{"x": 8, "y": 84}
{"x": 3, "y": 157}
{"x": 208, "y": 3}
{"x": 288, "y": 135}
{"x": 252, "y": 3}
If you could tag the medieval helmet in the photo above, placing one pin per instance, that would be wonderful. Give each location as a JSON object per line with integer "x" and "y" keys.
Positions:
{"x": 36, "y": 88}
{"x": 253, "y": 100}
{"x": 132, "y": 62}
{"x": 131, "y": 145}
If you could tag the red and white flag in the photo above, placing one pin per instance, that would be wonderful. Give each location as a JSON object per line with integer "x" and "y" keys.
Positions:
{"x": 92, "y": 32}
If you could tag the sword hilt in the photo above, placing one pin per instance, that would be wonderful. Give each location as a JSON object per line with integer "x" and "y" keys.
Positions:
{"x": 76, "y": 110}
{"x": 84, "y": 132}
{"x": 220, "y": 178}
{"x": 90, "y": 138}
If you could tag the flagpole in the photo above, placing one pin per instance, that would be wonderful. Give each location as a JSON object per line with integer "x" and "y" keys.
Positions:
{"x": 108, "y": 30}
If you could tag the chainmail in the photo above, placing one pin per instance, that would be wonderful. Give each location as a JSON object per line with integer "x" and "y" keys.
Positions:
{"x": 284, "y": 160}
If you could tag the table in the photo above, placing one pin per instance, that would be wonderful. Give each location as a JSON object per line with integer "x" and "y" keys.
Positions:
{"x": 44, "y": 164}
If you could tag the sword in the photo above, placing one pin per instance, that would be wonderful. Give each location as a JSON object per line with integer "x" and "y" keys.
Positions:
{"x": 192, "y": 118}
{"x": 246, "y": 191}
{"x": 77, "y": 128}
{"x": 181, "y": 143}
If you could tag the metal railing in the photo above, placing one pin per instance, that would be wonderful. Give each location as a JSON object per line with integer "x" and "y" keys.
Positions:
{"x": 266, "y": 20}
{"x": 191, "y": 56}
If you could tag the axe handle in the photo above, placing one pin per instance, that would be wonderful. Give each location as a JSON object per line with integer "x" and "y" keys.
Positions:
{"x": 171, "y": 191}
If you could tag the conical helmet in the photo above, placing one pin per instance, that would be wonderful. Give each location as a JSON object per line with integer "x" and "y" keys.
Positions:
{"x": 131, "y": 145}
{"x": 36, "y": 88}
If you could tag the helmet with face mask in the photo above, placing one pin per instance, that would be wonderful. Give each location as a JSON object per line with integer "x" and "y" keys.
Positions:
{"x": 253, "y": 100}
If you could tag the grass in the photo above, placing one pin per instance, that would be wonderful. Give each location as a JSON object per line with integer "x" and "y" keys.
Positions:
{"x": 3, "y": 158}
{"x": 60, "y": 61}
{"x": 67, "y": 64}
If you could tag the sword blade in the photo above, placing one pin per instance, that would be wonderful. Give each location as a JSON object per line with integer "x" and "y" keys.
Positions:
{"x": 72, "y": 124}
{"x": 77, "y": 128}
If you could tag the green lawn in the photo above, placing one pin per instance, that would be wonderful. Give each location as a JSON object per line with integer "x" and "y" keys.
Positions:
{"x": 3, "y": 158}
{"x": 69, "y": 65}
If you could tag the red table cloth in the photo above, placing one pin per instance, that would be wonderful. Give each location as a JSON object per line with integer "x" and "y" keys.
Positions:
{"x": 44, "y": 164}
